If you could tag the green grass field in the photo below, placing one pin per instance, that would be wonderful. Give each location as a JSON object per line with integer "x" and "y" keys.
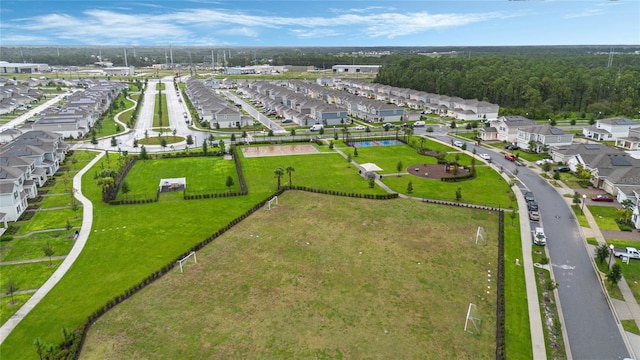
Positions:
{"x": 605, "y": 216}
{"x": 159, "y": 121}
{"x": 30, "y": 247}
{"x": 129, "y": 242}
{"x": 203, "y": 175}
{"x": 319, "y": 276}
{"x": 328, "y": 171}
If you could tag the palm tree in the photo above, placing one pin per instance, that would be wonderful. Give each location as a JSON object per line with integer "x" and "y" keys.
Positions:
{"x": 278, "y": 172}
{"x": 289, "y": 170}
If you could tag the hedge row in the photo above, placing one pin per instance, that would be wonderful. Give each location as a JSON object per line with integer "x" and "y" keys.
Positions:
{"x": 500, "y": 308}
{"x": 214, "y": 195}
{"x": 471, "y": 175}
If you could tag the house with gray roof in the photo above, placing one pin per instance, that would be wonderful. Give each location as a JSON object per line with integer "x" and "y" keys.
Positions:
{"x": 629, "y": 142}
{"x": 610, "y": 129}
{"x": 611, "y": 169}
{"x": 507, "y": 127}
{"x": 542, "y": 137}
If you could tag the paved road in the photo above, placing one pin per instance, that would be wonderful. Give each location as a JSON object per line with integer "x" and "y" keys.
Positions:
{"x": 591, "y": 328}
{"x": 24, "y": 117}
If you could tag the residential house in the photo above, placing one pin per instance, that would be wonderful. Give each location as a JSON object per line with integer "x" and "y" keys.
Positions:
{"x": 542, "y": 137}
{"x": 610, "y": 129}
{"x": 507, "y": 127}
{"x": 630, "y": 142}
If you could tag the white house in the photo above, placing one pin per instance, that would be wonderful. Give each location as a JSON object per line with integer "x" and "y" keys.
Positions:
{"x": 507, "y": 127}
{"x": 611, "y": 128}
{"x": 542, "y": 137}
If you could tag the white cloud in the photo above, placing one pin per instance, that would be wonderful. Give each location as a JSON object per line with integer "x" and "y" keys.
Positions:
{"x": 597, "y": 9}
{"x": 187, "y": 26}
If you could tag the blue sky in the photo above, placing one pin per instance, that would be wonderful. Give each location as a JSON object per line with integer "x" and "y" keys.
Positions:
{"x": 320, "y": 23}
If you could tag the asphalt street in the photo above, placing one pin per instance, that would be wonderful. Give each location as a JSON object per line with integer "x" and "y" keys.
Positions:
{"x": 589, "y": 322}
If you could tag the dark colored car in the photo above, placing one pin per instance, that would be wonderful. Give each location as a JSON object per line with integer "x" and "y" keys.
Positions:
{"x": 528, "y": 196}
{"x": 532, "y": 206}
{"x": 605, "y": 198}
{"x": 561, "y": 169}
{"x": 287, "y": 121}
{"x": 512, "y": 147}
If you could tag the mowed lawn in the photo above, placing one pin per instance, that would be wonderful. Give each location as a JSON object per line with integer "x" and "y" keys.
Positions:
{"x": 127, "y": 243}
{"x": 203, "y": 175}
{"x": 327, "y": 171}
{"x": 319, "y": 276}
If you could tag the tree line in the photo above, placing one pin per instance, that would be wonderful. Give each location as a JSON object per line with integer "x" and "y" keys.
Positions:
{"x": 544, "y": 87}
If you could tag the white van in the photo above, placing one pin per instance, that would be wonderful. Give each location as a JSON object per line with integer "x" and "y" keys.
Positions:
{"x": 539, "y": 238}
{"x": 316, "y": 127}
{"x": 419, "y": 123}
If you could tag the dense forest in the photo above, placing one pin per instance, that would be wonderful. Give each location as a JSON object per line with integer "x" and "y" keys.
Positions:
{"x": 585, "y": 86}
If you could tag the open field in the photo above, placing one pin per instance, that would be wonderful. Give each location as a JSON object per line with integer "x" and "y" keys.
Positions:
{"x": 358, "y": 279}
{"x": 127, "y": 243}
{"x": 328, "y": 171}
{"x": 203, "y": 175}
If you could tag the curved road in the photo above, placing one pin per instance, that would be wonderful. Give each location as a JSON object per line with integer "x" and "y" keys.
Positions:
{"x": 590, "y": 326}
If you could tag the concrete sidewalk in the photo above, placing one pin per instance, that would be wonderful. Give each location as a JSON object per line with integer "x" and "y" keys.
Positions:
{"x": 623, "y": 310}
{"x": 85, "y": 230}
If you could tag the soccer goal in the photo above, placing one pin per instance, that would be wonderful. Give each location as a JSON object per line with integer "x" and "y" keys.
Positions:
{"x": 473, "y": 322}
{"x": 272, "y": 202}
{"x": 191, "y": 254}
{"x": 481, "y": 236}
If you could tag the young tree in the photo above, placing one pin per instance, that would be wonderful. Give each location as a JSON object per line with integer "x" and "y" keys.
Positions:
{"x": 321, "y": 131}
{"x": 410, "y": 187}
{"x": 293, "y": 132}
{"x": 355, "y": 152}
{"x": 124, "y": 187}
{"x": 68, "y": 225}
{"x": 94, "y": 141}
{"x": 10, "y": 287}
{"x": 602, "y": 253}
{"x": 573, "y": 123}
{"x": 189, "y": 140}
{"x": 233, "y": 137}
{"x": 349, "y": 160}
{"x": 135, "y": 143}
{"x": 399, "y": 167}
{"x": 546, "y": 167}
{"x": 335, "y": 135}
{"x": 229, "y": 182}
{"x": 205, "y": 148}
{"x": 114, "y": 142}
{"x": 372, "y": 181}
{"x": 513, "y": 215}
{"x": 143, "y": 153}
{"x": 48, "y": 251}
{"x": 615, "y": 275}
{"x": 221, "y": 147}
{"x": 174, "y": 132}
{"x": 163, "y": 142}
{"x": 278, "y": 172}
{"x": 290, "y": 170}
{"x": 556, "y": 175}
{"x": 458, "y": 194}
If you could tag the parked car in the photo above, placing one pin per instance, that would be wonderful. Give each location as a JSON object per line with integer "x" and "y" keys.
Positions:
{"x": 387, "y": 126}
{"x": 539, "y": 237}
{"x": 485, "y": 156}
{"x": 534, "y": 216}
{"x": 287, "y": 121}
{"x": 359, "y": 127}
{"x": 316, "y": 127}
{"x": 419, "y": 123}
{"x": 605, "y": 198}
{"x": 543, "y": 161}
{"x": 458, "y": 143}
{"x": 510, "y": 157}
{"x": 405, "y": 125}
{"x": 561, "y": 169}
{"x": 512, "y": 147}
{"x": 532, "y": 206}
{"x": 528, "y": 196}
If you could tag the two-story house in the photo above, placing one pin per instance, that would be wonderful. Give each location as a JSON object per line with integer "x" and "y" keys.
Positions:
{"x": 506, "y": 128}
{"x": 610, "y": 129}
{"x": 540, "y": 138}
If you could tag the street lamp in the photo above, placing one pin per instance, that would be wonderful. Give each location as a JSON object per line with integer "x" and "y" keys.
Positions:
{"x": 610, "y": 253}
{"x": 584, "y": 199}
